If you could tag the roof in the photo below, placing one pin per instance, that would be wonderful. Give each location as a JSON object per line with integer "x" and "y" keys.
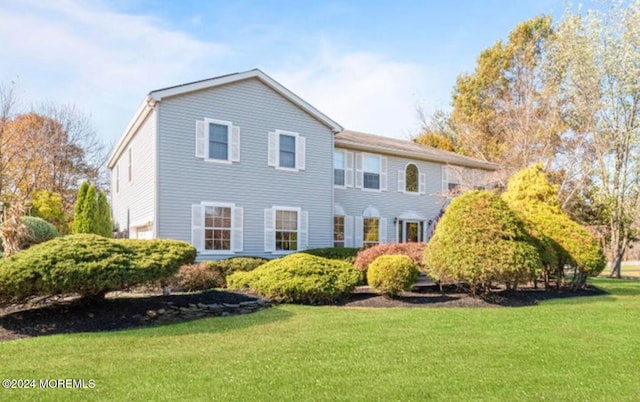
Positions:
{"x": 404, "y": 148}
{"x": 159, "y": 94}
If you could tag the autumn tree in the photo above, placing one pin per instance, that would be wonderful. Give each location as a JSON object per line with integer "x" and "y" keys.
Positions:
{"x": 437, "y": 131}
{"x": 595, "y": 62}
{"x": 503, "y": 111}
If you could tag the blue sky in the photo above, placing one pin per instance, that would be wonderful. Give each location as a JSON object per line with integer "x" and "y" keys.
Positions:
{"x": 366, "y": 64}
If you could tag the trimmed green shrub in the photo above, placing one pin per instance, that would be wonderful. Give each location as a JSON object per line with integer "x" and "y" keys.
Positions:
{"x": 158, "y": 259}
{"x": 89, "y": 265}
{"x": 299, "y": 278}
{"x": 564, "y": 242}
{"x": 200, "y": 276}
{"x": 39, "y": 231}
{"x": 479, "y": 240}
{"x": 412, "y": 250}
{"x": 391, "y": 274}
{"x": 334, "y": 253}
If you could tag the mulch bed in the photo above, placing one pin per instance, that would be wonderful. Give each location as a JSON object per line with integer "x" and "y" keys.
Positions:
{"x": 130, "y": 310}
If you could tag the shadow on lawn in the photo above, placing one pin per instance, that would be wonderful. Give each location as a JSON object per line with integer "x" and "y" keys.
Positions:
{"x": 111, "y": 314}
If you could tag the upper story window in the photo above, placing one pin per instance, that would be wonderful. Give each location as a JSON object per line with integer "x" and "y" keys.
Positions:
{"x": 411, "y": 178}
{"x": 339, "y": 168}
{"x": 117, "y": 178}
{"x": 129, "y": 167}
{"x": 371, "y": 172}
{"x": 286, "y": 150}
{"x": 217, "y": 141}
{"x": 450, "y": 180}
{"x": 411, "y": 181}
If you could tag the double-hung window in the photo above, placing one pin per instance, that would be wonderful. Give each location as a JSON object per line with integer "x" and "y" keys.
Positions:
{"x": 285, "y": 229}
{"x": 339, "y": 167}
{"x": 371, "y": 231}
{"x": 371, "y": 172}
{"x": 216, "y": 228}
{"x": 217, "y": 141}
{"x": 338, "y": 231}
{"x": 286, "y": 150}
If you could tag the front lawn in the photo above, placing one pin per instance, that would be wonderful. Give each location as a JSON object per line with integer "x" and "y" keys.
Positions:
{"x": 565, "y": 349}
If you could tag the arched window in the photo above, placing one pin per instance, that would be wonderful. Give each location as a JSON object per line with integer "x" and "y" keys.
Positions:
{"x": 411, "y": 178}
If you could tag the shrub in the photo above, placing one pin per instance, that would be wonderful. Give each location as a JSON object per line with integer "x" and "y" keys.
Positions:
{"x": 412, "y": 250}
{"x": 565, "y": 242}
{"x": 299, "y": 278}
{"x": 391, "y": 274}
{"x": 334, "y": 253}
{"x": 158, "y": 259}
{"x": 38, "y": 230}
{"x": 192, "y": 277}
{"x": 89, "y": 265}
{"x": 480, "y": 240}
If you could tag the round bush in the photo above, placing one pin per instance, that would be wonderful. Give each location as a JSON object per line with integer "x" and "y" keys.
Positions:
{"x": 299, "y": 278}
{"x": 480, "y": 240}
{"x": 38, "y": 230}
{"x": 89, "y": 265}
{"x": 391, "y": 274}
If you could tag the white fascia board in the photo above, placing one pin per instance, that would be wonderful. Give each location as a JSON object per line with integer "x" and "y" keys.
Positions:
{"x": 138, "y": 118}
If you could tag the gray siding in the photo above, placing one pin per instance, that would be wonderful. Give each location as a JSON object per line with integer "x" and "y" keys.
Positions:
{"x": 391, "y": 203}
{"x": 137, "y": 196}
{"x": 184, "y": 180}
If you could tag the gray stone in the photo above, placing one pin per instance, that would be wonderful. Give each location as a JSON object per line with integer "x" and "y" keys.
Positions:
{"x": 162, "y": 311}
{"x": 229, "y": 305}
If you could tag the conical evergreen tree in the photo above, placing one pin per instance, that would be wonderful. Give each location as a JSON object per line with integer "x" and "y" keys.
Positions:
{"x": 80, "y": 223}
{"x": 90, "y": 211}
{"x": 104, "y": 224}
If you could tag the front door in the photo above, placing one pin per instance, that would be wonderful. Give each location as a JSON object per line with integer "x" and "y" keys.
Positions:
{"x": 410, "y": 231}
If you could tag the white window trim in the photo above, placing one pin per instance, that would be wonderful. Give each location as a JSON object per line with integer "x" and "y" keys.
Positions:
{"x": 298, "y": 140}
{"x": 302, "y": 215}
{"x": 421, "y": 180}
{"x": 205, "y": 204}
{"x": 344, "y": 153}
{"x": 372, "y": 190}
{"x": 276, "y": 208}
{"x": 207, "y": 122}
{"x": 449, "y": 177}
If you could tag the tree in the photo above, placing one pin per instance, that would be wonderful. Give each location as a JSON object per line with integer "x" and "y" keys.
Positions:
{"x": 437, "y": 131}
{"x": 49, "y": 206}
{"x": 80, "y": 219}
{"x": 92, "y": 212}
{"x": 504, "y": 112}
{"x": 594, "y": 60}
{"x": 562, "y": 242}
{"x": 104, "y": 223}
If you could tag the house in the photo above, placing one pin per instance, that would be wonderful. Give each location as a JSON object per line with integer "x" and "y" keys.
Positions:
{"x": 239, "y": 165}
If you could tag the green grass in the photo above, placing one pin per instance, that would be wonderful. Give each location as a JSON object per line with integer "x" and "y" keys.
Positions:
{"x": 573, "y": 349}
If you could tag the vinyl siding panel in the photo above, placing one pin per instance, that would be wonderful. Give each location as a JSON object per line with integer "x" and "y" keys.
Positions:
{"x": 392, "y": 203}
{"x": 137, "y": 196}
{"x": 256, "y": 109}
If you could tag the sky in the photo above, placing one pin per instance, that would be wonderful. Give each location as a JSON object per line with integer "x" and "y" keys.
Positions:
{"x": 366, "y": 64}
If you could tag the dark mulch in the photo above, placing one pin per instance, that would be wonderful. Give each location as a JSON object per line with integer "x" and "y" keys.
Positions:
{"x": 130, "y": 310}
